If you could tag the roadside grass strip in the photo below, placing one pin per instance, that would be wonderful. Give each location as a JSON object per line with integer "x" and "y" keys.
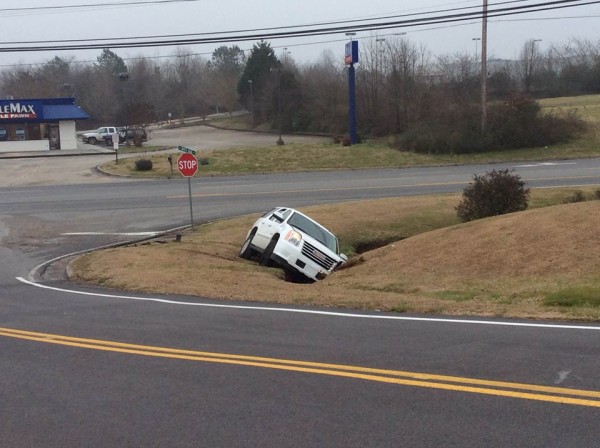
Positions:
{"x": 415, "y": 379}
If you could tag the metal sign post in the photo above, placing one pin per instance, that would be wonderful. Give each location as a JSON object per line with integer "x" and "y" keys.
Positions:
{"x": 191, "y": 206}
{"x": 187, "y": 164}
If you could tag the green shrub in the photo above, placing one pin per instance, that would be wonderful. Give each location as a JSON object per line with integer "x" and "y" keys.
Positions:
{"x": 143, "y": 165}
{"x": 578, "y": 196}
{"x": 574, "y": 297}
{"x": 597, "y": 194}
{"x": 518, "y": 122}
{"x": 494, "y": 193}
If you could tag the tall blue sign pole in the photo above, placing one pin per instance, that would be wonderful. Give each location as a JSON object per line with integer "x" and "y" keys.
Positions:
{"x": 350, "y": 59}
{"x": 352, "y": 103}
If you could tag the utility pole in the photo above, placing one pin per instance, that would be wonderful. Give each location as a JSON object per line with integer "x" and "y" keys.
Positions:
{"x": 484, "y": 67}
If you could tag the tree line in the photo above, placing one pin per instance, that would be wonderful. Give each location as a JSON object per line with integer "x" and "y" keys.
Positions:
{"x": 400, "y": 84}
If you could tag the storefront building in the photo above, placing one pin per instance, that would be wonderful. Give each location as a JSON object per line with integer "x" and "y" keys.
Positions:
{"x": 39, "y": 124}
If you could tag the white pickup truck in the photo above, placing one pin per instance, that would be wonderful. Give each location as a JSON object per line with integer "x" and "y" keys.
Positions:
{"x": 98, "y": 135}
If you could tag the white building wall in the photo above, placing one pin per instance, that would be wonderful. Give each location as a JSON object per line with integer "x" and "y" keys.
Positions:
{"x": 27, "y": 145}
{"x": 68, "y": 137}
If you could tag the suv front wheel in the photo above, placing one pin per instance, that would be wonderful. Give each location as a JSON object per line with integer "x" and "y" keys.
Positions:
{"x": 266, "y": 255}
{"x": 246, "y": 251}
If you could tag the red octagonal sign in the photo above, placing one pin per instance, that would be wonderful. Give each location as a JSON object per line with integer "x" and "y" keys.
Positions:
{"x": 187, "y": 164}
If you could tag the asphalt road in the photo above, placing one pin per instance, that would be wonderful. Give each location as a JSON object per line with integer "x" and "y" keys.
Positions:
{"x": 86, "y": 367}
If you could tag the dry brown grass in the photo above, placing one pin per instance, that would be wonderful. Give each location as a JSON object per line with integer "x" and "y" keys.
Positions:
{"x": 500, "y": 266}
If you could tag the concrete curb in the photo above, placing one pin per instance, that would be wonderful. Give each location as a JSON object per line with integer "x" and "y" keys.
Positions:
{"x": 46, "y": 154}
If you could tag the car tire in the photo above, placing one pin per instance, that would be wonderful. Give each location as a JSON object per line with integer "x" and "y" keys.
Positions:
{"x": 265, "y": 260}
{"x": 246, "y": 251}
{"x": 92, "y": 140}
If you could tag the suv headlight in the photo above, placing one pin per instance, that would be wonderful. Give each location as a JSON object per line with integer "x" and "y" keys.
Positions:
{"x": 294, "y": 238}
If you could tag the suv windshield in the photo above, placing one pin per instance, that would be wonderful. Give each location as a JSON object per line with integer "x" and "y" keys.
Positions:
{"x": 314, "y": 230}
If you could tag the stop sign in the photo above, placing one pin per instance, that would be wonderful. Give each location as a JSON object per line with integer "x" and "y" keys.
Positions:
{"x": 187, "y": 164}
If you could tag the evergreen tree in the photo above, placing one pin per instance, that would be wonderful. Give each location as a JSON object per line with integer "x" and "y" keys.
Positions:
{"x": 110, "y": 62}
{"x": 228, "y": 60}
{"x": 258, "y": 70}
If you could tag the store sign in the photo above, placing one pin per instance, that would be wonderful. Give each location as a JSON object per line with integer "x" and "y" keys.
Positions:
{"x": 17, "y": 110}
{"x": 351, "y": 56}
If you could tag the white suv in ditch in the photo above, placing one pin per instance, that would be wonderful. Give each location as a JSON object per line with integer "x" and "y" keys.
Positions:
{"x": 295, "y": 242}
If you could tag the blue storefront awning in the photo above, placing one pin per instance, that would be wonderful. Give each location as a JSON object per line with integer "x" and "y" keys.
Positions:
{"x": 40, "y": 110}
{"x": 55, "y": 112}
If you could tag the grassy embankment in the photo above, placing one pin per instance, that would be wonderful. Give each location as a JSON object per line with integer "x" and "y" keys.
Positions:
{"x": 542, "y": 263}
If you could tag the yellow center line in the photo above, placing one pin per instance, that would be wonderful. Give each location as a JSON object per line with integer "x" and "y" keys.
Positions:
{"x": 415, "y": 379}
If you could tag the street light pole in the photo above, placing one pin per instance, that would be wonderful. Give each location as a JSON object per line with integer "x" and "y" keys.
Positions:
{"x": 532, "y": 64}
{"x": 378, "y": 41}
{"x": 484, "y": 67}
{"x": 251, "y": 100}
{"x": 279, "y": 140}
{"x": 278, "y": 69}
{"x": 284, "y": 55}
{"x": 123, "y": 77}
{"x": 476, "y": 39}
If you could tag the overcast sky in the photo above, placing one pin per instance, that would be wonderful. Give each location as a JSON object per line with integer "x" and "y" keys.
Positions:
{"x": 506, "y": 35}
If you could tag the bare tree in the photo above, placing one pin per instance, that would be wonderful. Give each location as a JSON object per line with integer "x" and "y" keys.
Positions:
{"x": 367, "y": 85}
{"x": 461, "y": 73}
{"x": 530, "y": 62}
{"x": 185, "y": 77}
{"x": 20, "y": 82}
{"x": 101, "y": 95}
{"x": 406, "y": 67}
{"x": 145, "y": 92}
{"x": 325, "y": 87}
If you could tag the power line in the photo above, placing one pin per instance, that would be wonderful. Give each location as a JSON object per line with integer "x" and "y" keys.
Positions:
{"x": 444, "y": 22}
{"x": 360, "y": 22}
{"x": 275, "y": 33}
{"x": 91, "y": 5}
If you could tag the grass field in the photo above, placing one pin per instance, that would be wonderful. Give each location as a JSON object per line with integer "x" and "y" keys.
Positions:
{"x": 587, "y": 107}
{"x": 330, "y": 156}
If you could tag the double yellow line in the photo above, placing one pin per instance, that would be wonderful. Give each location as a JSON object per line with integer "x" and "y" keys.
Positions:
{"x": 415, "y": 379}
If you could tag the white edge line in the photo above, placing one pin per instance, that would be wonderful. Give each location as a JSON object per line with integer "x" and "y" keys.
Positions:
{"x": 544, "y": 164}
{"x": 301, "y": 311}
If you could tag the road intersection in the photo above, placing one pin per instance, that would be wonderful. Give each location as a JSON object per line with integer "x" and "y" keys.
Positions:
{"x": 86, "y": 366}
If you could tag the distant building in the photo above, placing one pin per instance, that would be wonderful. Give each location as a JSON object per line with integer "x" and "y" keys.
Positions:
{"x": 39, "y": 124}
